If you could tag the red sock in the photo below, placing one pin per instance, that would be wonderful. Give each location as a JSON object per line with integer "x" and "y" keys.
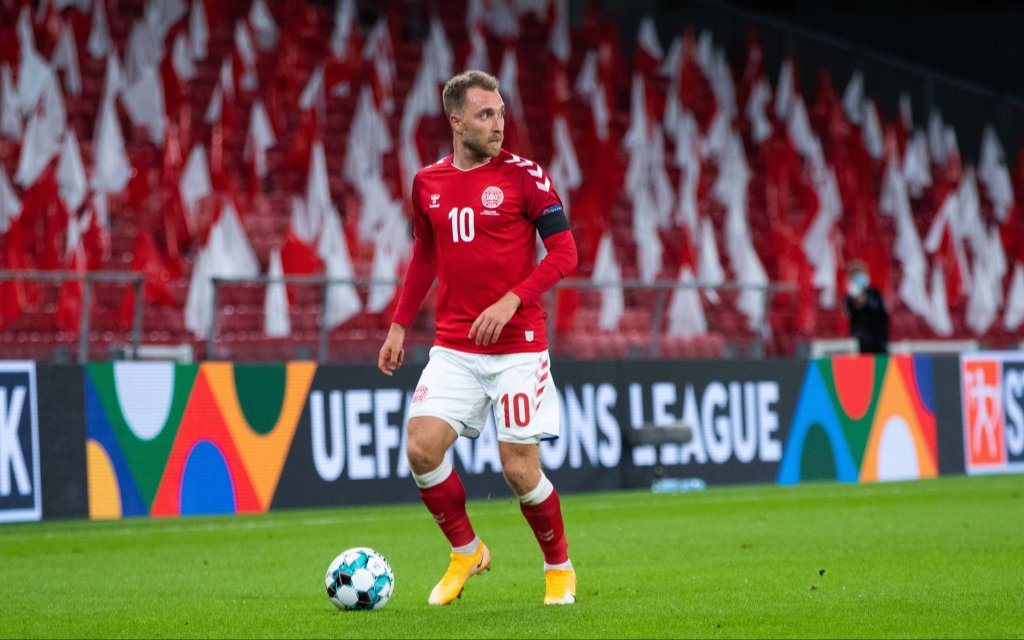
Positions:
{"x": 546, "y": 521}
{"x": 447, "y": 503}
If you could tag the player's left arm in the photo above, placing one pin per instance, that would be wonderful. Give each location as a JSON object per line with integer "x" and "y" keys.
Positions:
{"x": 553, "y": 227}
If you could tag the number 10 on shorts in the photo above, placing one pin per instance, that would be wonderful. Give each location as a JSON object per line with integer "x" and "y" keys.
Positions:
{"x": 516, "y": 408}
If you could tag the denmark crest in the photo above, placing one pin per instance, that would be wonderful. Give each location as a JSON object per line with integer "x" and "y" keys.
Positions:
{"x": 493, "y": 197}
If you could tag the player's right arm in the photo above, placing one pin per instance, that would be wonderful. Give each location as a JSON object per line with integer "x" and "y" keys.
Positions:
{"x": 418, "y": 279}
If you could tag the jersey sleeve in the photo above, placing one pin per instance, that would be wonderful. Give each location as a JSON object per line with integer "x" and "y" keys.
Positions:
{"x": 422, "y": 265}
{"x": 544, "y": 209}
{"x": 539, "y": 193}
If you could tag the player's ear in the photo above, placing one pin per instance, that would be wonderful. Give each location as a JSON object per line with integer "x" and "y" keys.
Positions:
{"x": 456, "y": 121}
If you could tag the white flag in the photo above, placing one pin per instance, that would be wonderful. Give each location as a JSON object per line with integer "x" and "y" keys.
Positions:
{"x": 1014, "y": 314}
{"x": 65, "y": 58}
{"x": 380, "y": 51}
{"x": 982, "y": 304}
{"x": 757, "y": 105}
{"x": 709, "y": 265}
{"x": 342, "y": 301}
{"x": 198, "y": 30}
{"x": 916, "y": 167}
{"x": 10, "y": 205}
{"x": 276, "y": 321}
{"x": 477, "y": 56}
{"x": 564, "y": 168}
{"x": 391, "y": 249}
{"x": 687, "y": 138}
{"x": 301, "y": 223}
{"x": 195, "y": 183}
{"x": 198, "y": 301}
{"x": 994, "y": 175}
{"x": 100, "y": 43}
{"x": 369, "y": 140}
{"x": 607, "y": 271}
{"x": 144, "y": 49}
{"x": 872, "y": 130}
{"x": 34, "y": 74}
{"x": 784, "y": 90}
{"x": 895, "y": 201}
{"x": 817, "y": 244}
{"x": 686, "y": 312}
{"x": 559, "y": 42}
{"x": 181, "y": 58}
{"x": 937, "y": 138}
{"x": 247, "y": 54}
{"x": 263, "y": 25}
{"x": 10, "y": 110}
{"x": 71, "y": 173}
{"x": 645, "y": 234}
{"x": 906, "y": 111}
{"x": 318, "y": 193}
{"x": 37, "y": 149}
{"x": 853, "y": 98}
{"x": 259, "y": 138}
{"x": 227, "y": 254}
{"x": 144, "y": 101}
{"x": 938, "y": 318}
{"x": 344, "y": 19}
{"x": 589, "y": 85}
{"x": 232, "y": 252}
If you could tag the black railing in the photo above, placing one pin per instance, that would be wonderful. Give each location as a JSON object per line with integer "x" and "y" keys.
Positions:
{"x": 87, "y": 279}
{"x": 661, "y": 289}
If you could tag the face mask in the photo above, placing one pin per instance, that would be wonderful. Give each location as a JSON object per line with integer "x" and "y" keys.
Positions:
{"x": 858, "y": 284}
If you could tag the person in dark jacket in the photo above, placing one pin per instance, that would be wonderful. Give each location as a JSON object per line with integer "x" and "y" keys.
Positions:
{"x": 869, "y": 319}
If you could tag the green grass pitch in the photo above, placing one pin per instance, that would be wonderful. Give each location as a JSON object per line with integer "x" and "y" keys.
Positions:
{"x": 932, "y": 559}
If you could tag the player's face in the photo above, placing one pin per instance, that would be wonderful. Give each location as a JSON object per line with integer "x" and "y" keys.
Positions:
{"x": 482, "y": 123}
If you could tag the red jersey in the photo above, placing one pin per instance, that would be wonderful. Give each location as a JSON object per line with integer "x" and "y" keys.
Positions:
{"x": 477, "y": 231}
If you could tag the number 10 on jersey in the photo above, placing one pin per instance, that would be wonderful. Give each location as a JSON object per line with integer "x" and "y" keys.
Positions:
{"x": 517, "y": 409}
{"x": 462, "y": 224}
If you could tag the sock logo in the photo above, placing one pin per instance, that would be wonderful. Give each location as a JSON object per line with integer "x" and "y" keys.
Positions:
{"x": 546, "y": 536}
{"x": 438, "y": 517}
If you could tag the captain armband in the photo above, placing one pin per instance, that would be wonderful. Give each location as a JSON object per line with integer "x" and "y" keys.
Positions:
{"x": 551, "y": 220}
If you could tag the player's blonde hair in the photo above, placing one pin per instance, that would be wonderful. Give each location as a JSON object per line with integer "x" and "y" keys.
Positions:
{"x": 454, "y": 95}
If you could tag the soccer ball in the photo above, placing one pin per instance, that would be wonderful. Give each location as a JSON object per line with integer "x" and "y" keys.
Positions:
{"x": 359, "y": 578}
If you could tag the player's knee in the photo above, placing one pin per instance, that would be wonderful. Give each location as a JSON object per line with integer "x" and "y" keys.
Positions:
{"x": 521, "y": 478}
{"x": 422, "y": 454}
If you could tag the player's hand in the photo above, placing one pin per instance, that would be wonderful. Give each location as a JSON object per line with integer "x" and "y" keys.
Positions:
{"x": 488, "y": 325}
{"x": 392, "y": 354}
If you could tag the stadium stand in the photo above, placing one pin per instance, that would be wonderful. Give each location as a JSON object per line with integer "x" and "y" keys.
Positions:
{"x": 246, "y": 138}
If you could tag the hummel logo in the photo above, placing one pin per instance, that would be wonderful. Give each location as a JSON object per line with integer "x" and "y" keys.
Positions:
{"x": 434, "y": 197}
{"x": 546, "y": 536}
{"x": 438, "y": 518}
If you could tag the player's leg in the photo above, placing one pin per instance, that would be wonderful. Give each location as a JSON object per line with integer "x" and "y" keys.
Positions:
{"x": 526, "y": 412}
{"x": 542, "y": 508}
{"x": 448, "y": 403}
{"x": 441, "y": 489}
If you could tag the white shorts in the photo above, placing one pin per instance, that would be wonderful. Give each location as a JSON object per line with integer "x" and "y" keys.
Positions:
{"x": 517, "y": 389}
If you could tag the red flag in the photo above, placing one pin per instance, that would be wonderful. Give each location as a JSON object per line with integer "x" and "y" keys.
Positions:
{"x": 148, "y": 261}
{"x": 95, "y": 241}
{"x": 12, "y": 292}
{"x": 302, "y": 141}
{"x": 68, "y": 316}
{"x": 299, "y": 258}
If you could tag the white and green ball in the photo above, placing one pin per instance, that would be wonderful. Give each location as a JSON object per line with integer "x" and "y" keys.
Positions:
{"x": 359, "y": 578}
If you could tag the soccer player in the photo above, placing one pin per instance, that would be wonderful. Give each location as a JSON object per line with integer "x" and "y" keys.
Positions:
{"x": 477, "y": 215}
